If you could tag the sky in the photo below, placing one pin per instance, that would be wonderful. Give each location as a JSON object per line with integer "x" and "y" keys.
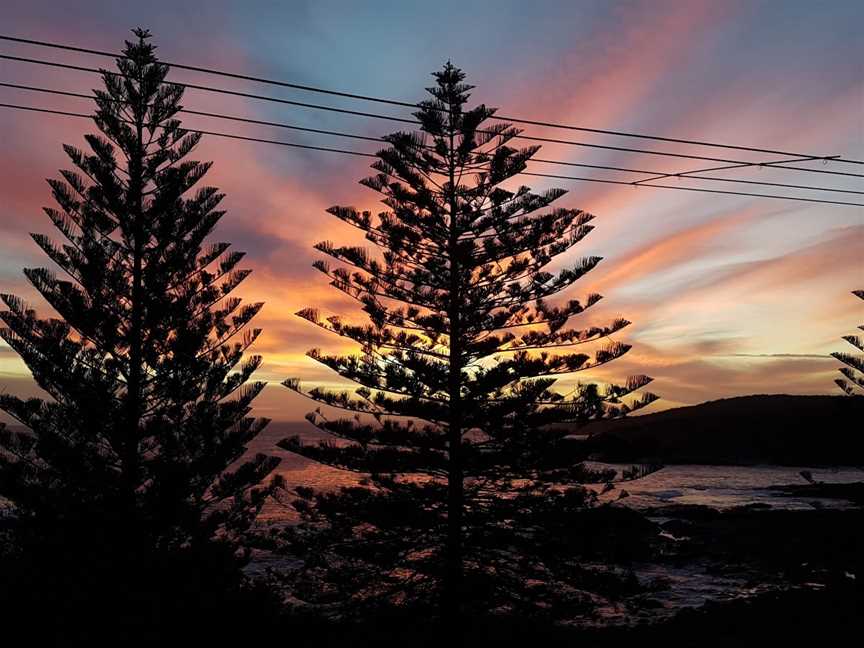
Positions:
{"x": 728, "y": 295}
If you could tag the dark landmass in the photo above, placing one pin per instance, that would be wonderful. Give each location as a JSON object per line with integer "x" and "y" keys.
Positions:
{"x": 853, "y": 492}
{"x": 818, "y": 546}
{"x": 766, "y": 429}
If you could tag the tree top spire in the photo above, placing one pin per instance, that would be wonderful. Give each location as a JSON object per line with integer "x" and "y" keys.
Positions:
{"x": 142, "y": 34}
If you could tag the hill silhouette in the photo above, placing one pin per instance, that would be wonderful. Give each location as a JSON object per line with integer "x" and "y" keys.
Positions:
{"x": 778, "y": 429}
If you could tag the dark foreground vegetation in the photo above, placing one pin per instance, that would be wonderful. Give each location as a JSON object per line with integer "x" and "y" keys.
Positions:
{"x": 800, "y": 618}
{"x": 808, "y": 564}
{"x": 767, "y": 429}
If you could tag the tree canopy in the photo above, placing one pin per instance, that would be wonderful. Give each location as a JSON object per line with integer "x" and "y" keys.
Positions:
{"x": 853, "y": 373}
{"x": 150, "y": 395}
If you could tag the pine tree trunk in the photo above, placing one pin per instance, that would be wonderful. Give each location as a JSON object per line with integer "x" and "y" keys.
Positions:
{"x": 453, "y": 576}
{"x": 134, "y": 379}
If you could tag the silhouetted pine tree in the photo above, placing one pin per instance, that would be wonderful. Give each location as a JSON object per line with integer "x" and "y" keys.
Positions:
{"x": 474, "y": 487}
{"x": 137, "y": 449}
{"x": 853, "y": 373}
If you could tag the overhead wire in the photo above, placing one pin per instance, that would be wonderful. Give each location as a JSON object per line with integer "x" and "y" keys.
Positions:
{"x": 372, "y": 155}
{"x": 654, "y": 174}
{"x": 406, "y": 104}
{"x": 414, "y": 122}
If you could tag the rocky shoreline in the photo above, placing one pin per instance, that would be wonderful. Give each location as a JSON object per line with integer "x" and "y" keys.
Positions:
{"x": 790, "y": 577}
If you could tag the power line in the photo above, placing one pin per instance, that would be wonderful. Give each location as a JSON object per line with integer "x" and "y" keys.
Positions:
{"x": 655, "y": 175}
{"x": 714, "y": 191}
{"x": 405, "y": 104}
{"x": 232, "y": 75}
{"x": 225, "y": 91}
{"x": 690, "y": 175}
{"x": 414, "y": 122}
{"x": 249, "y": 120}
{"x": 372, "y": 155}
{"x": 66, "y": 113}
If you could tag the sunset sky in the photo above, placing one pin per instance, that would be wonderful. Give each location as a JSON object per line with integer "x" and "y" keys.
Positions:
{"x": 728, "y": 295}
